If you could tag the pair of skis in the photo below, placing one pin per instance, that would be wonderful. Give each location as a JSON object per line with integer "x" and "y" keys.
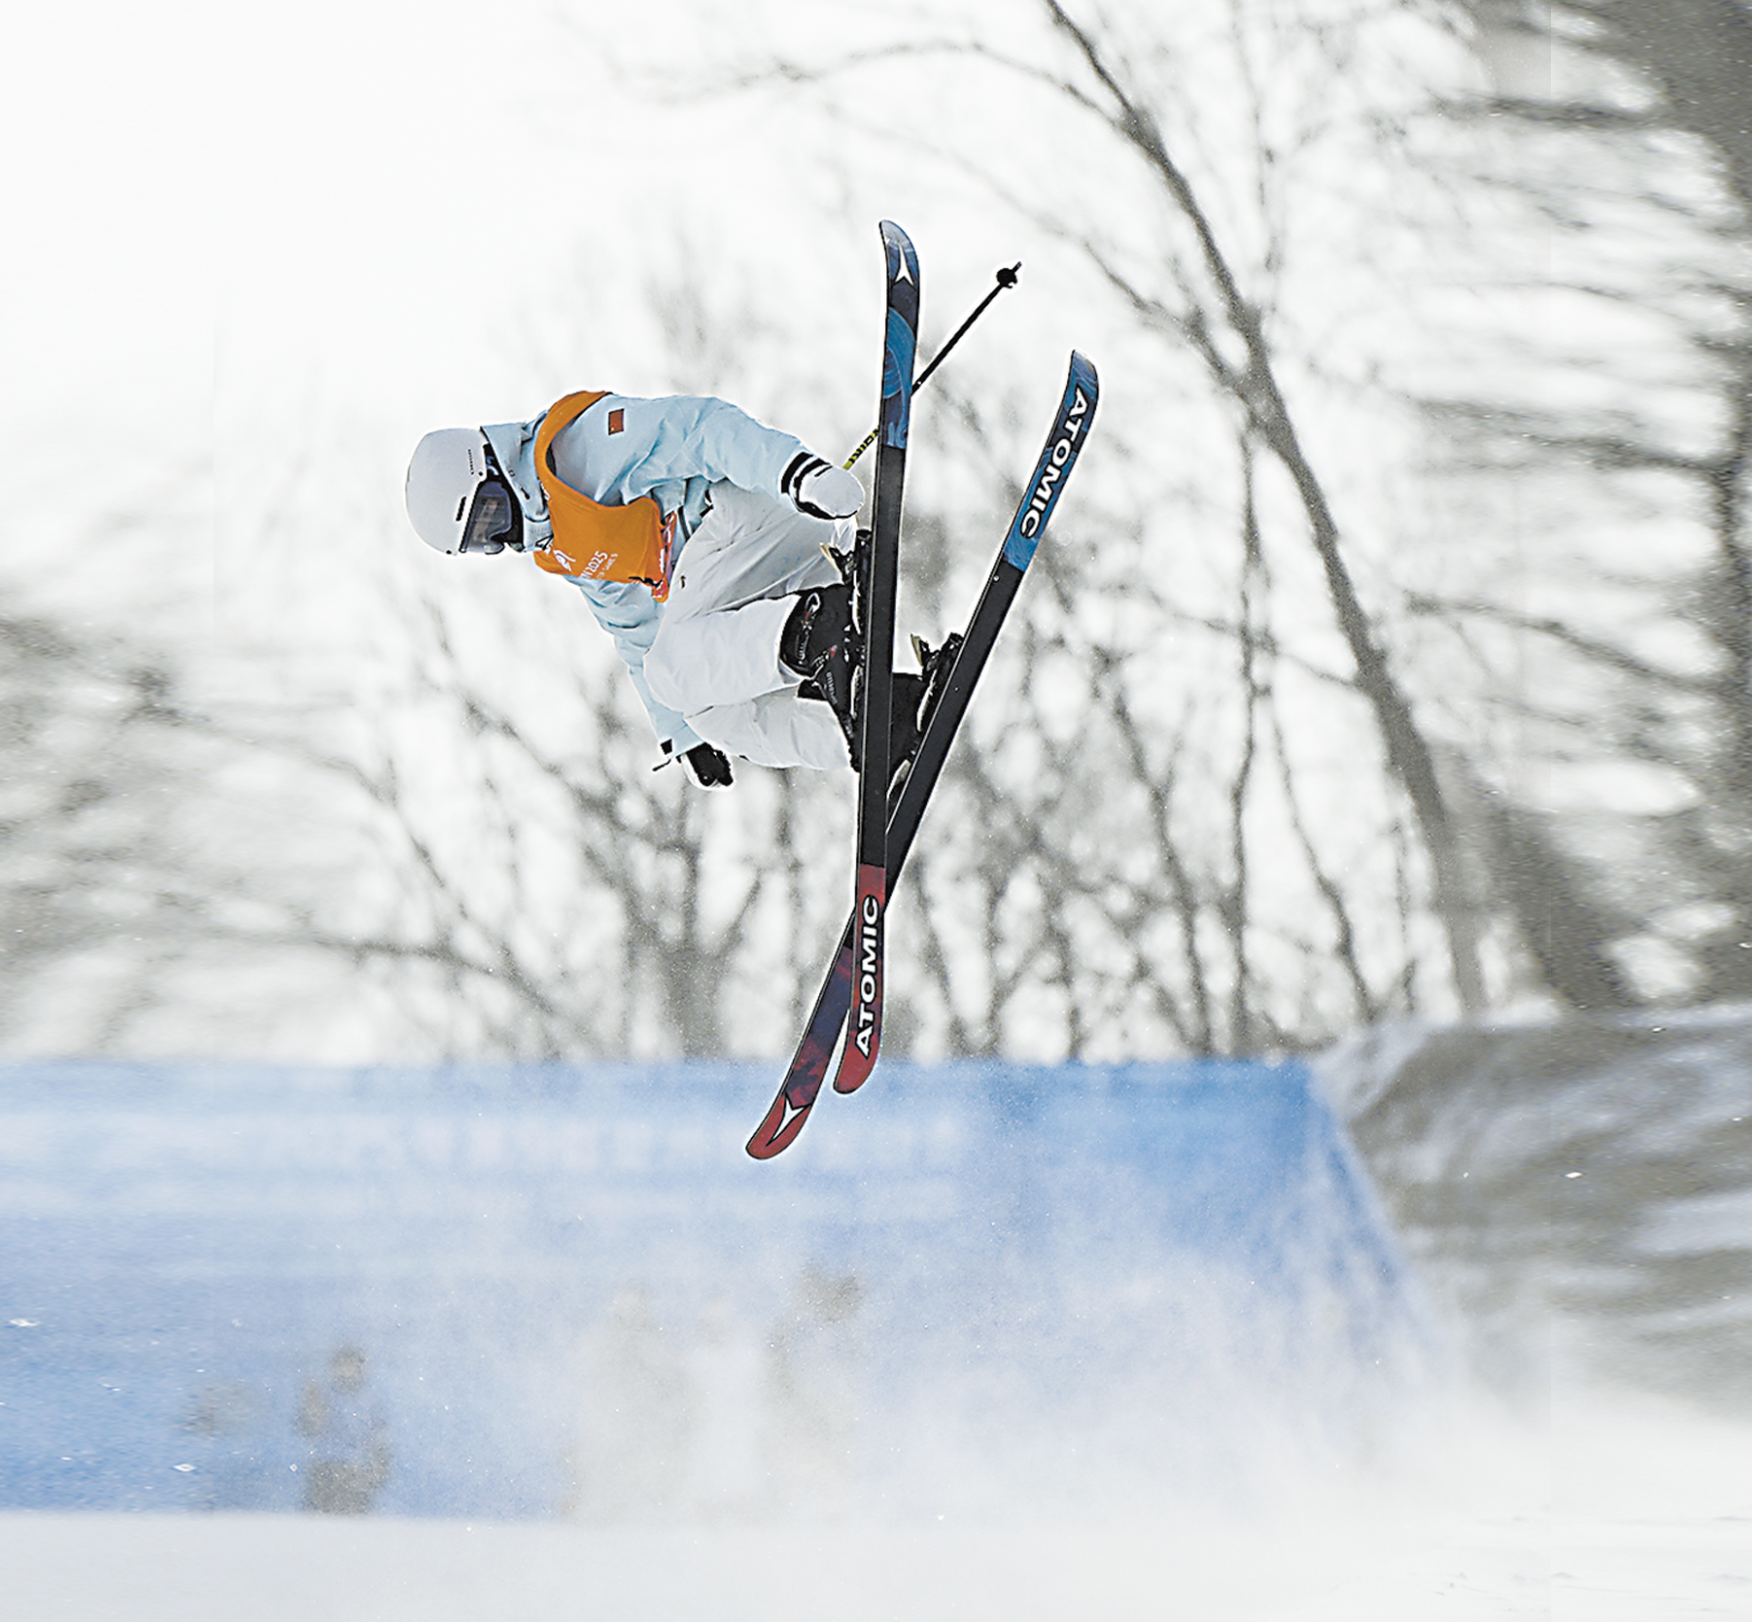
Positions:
{"x": 889, "y": 814}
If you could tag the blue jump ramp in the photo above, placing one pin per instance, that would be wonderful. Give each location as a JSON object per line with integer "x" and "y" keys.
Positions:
{"x": 567, "y": 1292}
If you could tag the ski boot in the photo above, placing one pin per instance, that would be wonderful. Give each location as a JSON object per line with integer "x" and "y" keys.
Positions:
{"x": 936, "y": 663}
{"x": 820, "y": 645}
{"x": 905, "y": 726}
{"x": 915, "y": 701}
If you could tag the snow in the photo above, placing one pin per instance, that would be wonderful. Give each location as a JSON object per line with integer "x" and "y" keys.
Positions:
{"x": 1619, "y": 1512}
{"x": 1583, "y": 1500}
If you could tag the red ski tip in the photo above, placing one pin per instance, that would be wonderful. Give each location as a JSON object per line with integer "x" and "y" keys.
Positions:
{"x": 780, "y": 1128}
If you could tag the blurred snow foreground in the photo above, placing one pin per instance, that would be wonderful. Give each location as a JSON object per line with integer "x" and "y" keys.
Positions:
{"x": 992, "y": 1340}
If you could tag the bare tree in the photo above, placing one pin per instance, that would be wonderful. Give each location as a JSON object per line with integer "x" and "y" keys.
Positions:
{"x": 1639, "y": 671}
{"x": 1215, "y": 315}
{"x": 115, "y": 896}
{"x": 1166, "y": 867}
{"x": 543, "y": 893}
{"x": 1232, "y": 784}
{"x": 1639, "y": 110}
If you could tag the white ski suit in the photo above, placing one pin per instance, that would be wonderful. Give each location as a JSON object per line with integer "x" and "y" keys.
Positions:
{"x": 706, "y": 661}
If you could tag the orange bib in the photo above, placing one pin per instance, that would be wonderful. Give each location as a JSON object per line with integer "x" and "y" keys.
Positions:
{"x": 591, "y": 541}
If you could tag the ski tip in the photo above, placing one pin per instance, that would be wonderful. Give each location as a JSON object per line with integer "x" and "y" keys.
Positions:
{"x": 780, "y": 1128}
{"x": 903, "y": 258}
{"x": 852, "y": 1077}
{"x": 859, "y": 1056}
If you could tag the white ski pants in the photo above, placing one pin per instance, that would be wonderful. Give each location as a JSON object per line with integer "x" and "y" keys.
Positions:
{"x": 715, "y": 657}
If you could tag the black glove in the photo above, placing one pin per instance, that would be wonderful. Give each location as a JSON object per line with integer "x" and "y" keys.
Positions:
{"x": 708, "y": 767}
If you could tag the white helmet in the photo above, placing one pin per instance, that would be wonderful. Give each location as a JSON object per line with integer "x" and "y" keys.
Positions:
{"x": 458, "y": 496}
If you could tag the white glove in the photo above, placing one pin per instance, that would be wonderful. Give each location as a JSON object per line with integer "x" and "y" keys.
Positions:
{"x": 821, "y": 489}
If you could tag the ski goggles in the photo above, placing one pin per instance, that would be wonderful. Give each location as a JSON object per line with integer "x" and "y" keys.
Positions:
{"x": 495, "y": 520}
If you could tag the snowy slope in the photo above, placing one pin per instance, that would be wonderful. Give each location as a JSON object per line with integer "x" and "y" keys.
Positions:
{"x": 1613, "y": 1518}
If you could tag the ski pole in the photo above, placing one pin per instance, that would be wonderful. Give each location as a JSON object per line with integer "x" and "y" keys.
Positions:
{"x": 1005, "y": 278}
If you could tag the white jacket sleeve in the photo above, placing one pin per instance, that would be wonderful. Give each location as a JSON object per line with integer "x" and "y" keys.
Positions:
{"x": 624, "y": 447}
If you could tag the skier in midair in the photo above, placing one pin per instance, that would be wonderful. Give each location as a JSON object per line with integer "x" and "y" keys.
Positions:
{"x": 697, "y": 536}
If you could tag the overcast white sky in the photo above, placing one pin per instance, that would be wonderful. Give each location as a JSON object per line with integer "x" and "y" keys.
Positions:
{"x": 225, "y": 215}
{"x": 311, "y": 186}
{"x": 226, "y": 204}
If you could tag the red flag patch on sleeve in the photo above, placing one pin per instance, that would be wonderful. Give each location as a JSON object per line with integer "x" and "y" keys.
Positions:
{"x": 617, "y": 420}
